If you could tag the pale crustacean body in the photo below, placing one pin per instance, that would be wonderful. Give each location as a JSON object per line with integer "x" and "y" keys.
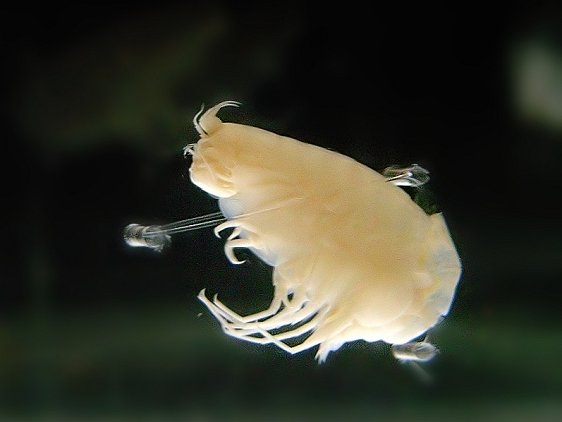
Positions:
{"x": 353, "y": 256}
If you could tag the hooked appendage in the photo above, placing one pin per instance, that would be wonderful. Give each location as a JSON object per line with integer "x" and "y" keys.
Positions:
{"x": 206, "y": 122}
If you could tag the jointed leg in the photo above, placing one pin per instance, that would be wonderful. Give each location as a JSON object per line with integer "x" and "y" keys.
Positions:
{"x": 290, "y": 315}
{"x": 232, "y": 316}
{"x": 279, "y": 299}
{"x": 277, "y": 339}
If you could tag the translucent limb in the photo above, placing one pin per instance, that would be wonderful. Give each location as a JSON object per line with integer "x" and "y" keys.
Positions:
{"x": 415, "y": 351}
{"x": 413, "y": 175}
{"x": 158, "y": 237}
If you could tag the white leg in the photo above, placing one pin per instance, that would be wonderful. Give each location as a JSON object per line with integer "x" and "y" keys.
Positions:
{"x": 250, "y": 240}
{"x": 290, "y": 333}
{"x": 249, "y": 334}
{"x": 305, "y": 345}
{"x": 303, "y": 329}
{"x": 203, "y": 298}
{"x": 267, "y": 337}
{"x": 237, "y": 224}
{"x": 287, "y": 316}
{"x": 231, "y": 321}
{"x": 229, "y": 224}
{"x": 279, "y": 299}
{"x": 229, "y": 314}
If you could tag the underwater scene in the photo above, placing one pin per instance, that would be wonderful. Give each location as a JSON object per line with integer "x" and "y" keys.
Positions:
{"x": 282, "y": 212}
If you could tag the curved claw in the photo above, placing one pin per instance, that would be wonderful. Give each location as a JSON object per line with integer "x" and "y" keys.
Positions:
{"x": 235, "y": 233}
{"x": 226, "y": 225}
{"x": 201, "y": 118}
{"x": 236, "y": 243}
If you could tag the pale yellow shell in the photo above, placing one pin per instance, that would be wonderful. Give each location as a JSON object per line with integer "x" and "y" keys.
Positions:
{"x": 354, "y": 257}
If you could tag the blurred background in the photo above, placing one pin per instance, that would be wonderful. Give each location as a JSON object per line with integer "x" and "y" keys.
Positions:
{"x": 99, "y": 101}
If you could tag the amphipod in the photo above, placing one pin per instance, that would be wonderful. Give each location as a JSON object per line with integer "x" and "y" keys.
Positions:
{"x": 353, "y": 257}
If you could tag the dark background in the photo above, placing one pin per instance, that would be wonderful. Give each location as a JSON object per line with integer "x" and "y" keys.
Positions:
{"x": 99, "y": 101}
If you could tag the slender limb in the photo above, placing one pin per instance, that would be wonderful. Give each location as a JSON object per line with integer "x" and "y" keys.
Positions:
{"x": 203, "y": 298}
{"x": 287, "y": 316}
{"x": 194, "y": 223}
{"x": 228, "y": 224}
{"x": 267, "y": 337}
{"x": 257, "y": 328}
{"x": 279, "y": 299}
{"x": 305, "y": 345}
{"x": 200, "y": 117}
{"x": 299, "y": 331}
{"x": 273, "y": 309}
{"x": 196, "y": 121}
{"x": 158, "y": 237}
{"x": 231, "y": 320}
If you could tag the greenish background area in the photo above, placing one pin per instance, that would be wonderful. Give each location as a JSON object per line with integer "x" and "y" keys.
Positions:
{"x": 100, "y": 101}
